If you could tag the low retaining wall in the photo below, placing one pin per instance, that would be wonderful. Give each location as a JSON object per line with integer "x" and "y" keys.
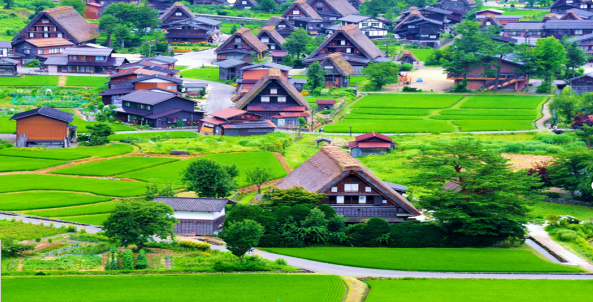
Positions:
{"x": 568, "y": 201}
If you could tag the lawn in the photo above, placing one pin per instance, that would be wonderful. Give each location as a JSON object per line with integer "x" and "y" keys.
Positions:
{"x": 475, "y": 290}
{"x": 148, "y": 135}
{"x": 69, "y": 153}
{"x": 430, "y": 259}
{"x": 9, "y": 164}
{"x": 389, "y": 126}
{"x": 183, "y": 287}
{"x": 407, "y": 101}
{"x": 45, "y": 200}
{"x": 106, "y": 187}
{"x": 421, "y": 54}
{"x": 6, "y": 125}
{"x": 171, "y": 173}
{"x": 81, "y": 124}
{"x": 30, "y": 80}
{"x": 541, "y": 210}
{"x": 207, "y": 74}
{"x": 99, "y": 208}
{"x": 97, "y": 219}
{"x": 494, "y": 125}
{"x": 503, "y": 102}
{"x": 85, "y": 81}
{"x": 115, "y": 166}
{"x": 24, "y": 231}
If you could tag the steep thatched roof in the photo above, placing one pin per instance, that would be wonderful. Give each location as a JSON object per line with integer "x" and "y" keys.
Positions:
{"x": 408, "y": 54}
{"x": 356, "y": 37}
{"x": 271, "y": 31}
{"x": 69, "y": 20}
{"x": 247, "y": 36}
{"x": 343, "y": 67}
{"x": 305, "y": 7}
{"x": 274, "y": 21}
{"x": 343, "y": 7}
{"x": 273, "y": 74}
{"x": 173, "y": 7}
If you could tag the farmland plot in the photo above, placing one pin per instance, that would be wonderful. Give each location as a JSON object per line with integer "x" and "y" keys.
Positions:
{"x": 115, "y": 166}
{"x": 45, "y": 200}
{"x": 69, "y": 153}
{"x": 33, "y": 182}
{"x": 9, "y": 164}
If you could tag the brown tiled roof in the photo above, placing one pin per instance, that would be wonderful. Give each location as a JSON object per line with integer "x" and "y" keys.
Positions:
{"x": 356, "y": 37}
{"x": 273, "y": 74}
{"x": 343, "y": 7}
{"x": 373, "y": 134}
{"x": 271, "y": 31}
{"x": 213, "y": 120}
{"x": 172, "y": 8}
{"x": 273, "y": 21}
{"x": 45, "y": 42}
{"x": 573, "y": 14}
{"x": 408, "y": 53}
{"x": 249, "y": 37}
{"x": 70, "y": 21}
{"x": 135, "y": 71}
{"x": 341, "y": 64}
{"x": 228, "y": 113}
{"x": 330, "y": 165}
{"x": 306, "y": 8}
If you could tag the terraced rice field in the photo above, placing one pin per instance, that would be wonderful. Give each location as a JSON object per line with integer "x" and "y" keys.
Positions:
{"x": 45, "y": 200}
{"x": 98, "y": 208}
{"x": 115, "y": 166}
{"x": 10, "y": 164}
{"x": 69, "y": 153}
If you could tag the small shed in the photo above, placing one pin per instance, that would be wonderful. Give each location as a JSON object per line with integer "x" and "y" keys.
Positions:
{"x": 325, "y": 104}
{"x": 277, "y": 56}
{"x": 45, "y": 127}
{"x": 229, "y": 69}
{"x": 371, "y": 144}
{"x": 8, "y": 67}
{"x": 408, "y": 57}
{"x": 197, "y": 216}
{"x": 194, "y": 89}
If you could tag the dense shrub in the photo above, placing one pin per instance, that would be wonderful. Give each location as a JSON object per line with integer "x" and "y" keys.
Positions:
{"x": 555, "y": 139}
{"x": 411, "y": 89}
{"x": 370, "y": 233}
{"x": 142, "y": 261}
{"x": 406, "y": 67}
{"x": 192, "y": 245}
{"x": 128, "y": 260}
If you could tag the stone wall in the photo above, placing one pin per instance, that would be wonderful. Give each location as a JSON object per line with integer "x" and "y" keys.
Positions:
{"x": 568, "y": 201}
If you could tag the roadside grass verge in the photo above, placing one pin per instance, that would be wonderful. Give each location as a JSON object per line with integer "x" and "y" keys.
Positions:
{"x": 24, "y": 231}
{"x": 69, "y": 153}
{"x": 502, "y": 102}
{"x": 10, "y": 164}
{"x": 105, "y": 187}
{"x": 30, "y": 80}
{"x": 494, "y": 125}
{"x": 116, "y": 166}
{"x": 98, "y": 208}
{"x": 156, "y": 288}
{"x": 430, "y": 259}
{"x": 389, "y": 126}
{"x": 171, "y": 173}
{"x": 148, "y": 135}
{"x": 407, "y": 101}
{"x": 96, "y": 219}
{"x": 478, "y": 290}
{"x": 44, "y": 200}
{"x": 85, "y": 81}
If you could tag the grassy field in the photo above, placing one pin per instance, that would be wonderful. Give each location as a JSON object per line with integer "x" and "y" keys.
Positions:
{"x": 378, "y": 111}
{"x": 85, "y": 81}
{"x": 474, "y": 290}
{"x": 98, "y": 208}
{"x": 31, "y": 182}
{"x": 148, "y": 135}
{"x": 45, "y": 200}
{"x": 97, "y": 219}
{"x": 24, "y": 231}
{"x": 69, "y": 153}
{"x": 211, "y": 288}
{"x": 502, "y": 102}
{"x": 493, "y": 125}
{"x": 81, "y": 124}
{"x": 430, "y": 259}
{"x": 115, "y": 166}
{"x": 407, "y": 101}
{"x": 30, "y": 80}
{"x": 207, "y": 74}
{"x": 6, "y": 125}
{"x": 542, "y": 209}
{"x": 421, "y": 54}
{"x": 9, "y": 164}
{"x": 490, "y": 112}
{"x": 171, "y": 173}
{"x": 389, "y": 126}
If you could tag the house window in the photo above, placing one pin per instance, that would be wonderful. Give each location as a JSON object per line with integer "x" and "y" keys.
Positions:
{"x": 272, "y": 46}
{"x": 334, "y": 189}
{"x": 31, "y": 35}
{"x": 142, "y": 106}
{"x": 488, "y": 23}
{"x": 362, "y": 199}
{"x": 578, "y": 31}
{"x": 375, "y": 24}
{"x": 348, "y": 50}
{"x": 367, "y": 189}
{"x": 584, "y": 6}
{"x": 265, "y": 99}
{"x": 384, "y": 201}
{"x": 433, "y": 36}
{"x": 340, "y": 199}
{"x": 46, "y": 35}
{"x": 364, "y": 24}
{"x": 319, "y": 4}
{"x": 44, "y": 21}
{"x": 127, "y": 104}
{"x": 171, "y": 87}
{"x": 411, "y": 26}
{"x": 99, "y": 58}
{"x": 273, "y": 91}
{"x": 342, "y": 42}
{"x": 148, "y": 107}
{"x": 281, "y": 99}
{"x": 568, "y": 1}
{"x": 180, "y": 14}
{"x": 351, "y": 187}
{"x": 59, "y": 35}
{"x": 332, "y": 18}
{"x": 281, "y": 26}
{"x": 296, "y": 12}
{"x": 237, "y": 40}
{"x": 26, "y": 51}
{"x": 45, "y": 28}
{"x": 243, "y": 2}
{"x": 265, "y": 39}
{"x": 40, "y": 51}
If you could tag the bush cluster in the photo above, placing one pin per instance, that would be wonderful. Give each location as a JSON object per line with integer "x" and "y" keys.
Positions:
{"x": 571, "y": 230}
{"x": 192, "y": 245}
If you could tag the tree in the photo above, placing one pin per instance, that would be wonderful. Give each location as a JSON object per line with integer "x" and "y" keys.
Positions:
{"x": 122, "y": 32}
{"x": 153, "y": 190}
{"x": 99, "y": 134}
{"x": 208, "y": 179}
{"x": 138, "y": 221}
{"x": 489, "y": 201}
{"x": 12, "y": 247}
{"x": 575, "y": 58}
{"x": 381, "y": 74}
{"x": 495, "y": 52}
{"x": 314, "y": 227}
{"x": 566, "y": 104}
{"x": 108, "y": 24}
{"x": 78, "y": 5}
{"x": 258, "y": 176}
{"x": 387, "y": 41}
{"x": 315, "y": 75}
{"x": 276, "y": 198}
{"x": 572, "y": 171}
{"x": 242, "y": 212}
{"x": 296, "y": 43}
{"x": 128, "y": 260}
{"x": 146, "y": 17}
{"x": 240, "y": 237}
{"x": 266, "y": 4}
{"x": 585, "y": 134}
{"x": 142, "y": 261}
{"x": 112, "y": 261}
{"x": 530, "y": 67}
{"x": 552, "y": 57}
{"x": 8, "y": 4}
{"x": 234, "y": 29}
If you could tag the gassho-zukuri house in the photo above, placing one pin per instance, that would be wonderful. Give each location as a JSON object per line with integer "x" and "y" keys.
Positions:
{"x": 350, "y": 188}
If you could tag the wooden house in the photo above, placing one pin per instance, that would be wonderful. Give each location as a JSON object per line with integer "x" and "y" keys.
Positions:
{"x": 300, "y": 9}
{"x": 123, "y": 79}
{"x": 240, "y": 46}
{"x": 8, "y": 67}
{"x": 250, "y": 74}
{"x": 41, "y": 48}
{"x": 560, "y": 6}
{"x": 325, "y": 104}
{"x": 354, "y": 46}
{"x": 195, "y": 88}
{"x": 269, "y": 36}
{"x": 44, "y": 127}
{"x": 585, "y": 43}
{"x": 158, "y": 108}
{"x": 168, "y": 62}
{"x": 332, "y": 10}
{"x": 494, "y": 20}
{"x": 210, "y": 2}
{"x": 525, "y": 29}
{"x": 313, "y": 26}
{"x": 282, "y": 26}
{"x": 92, "y": 10}
{"x": 245, "y": 4}
{"x": 235, "y": 122}
{"x": 157, "y": 81}
{"x": 176, "y": 12}
{"x": 463, "y": 6}
{"x": 230, "y": 68}
{"x": 408, "y": 58}
{"x": 561, "y": 28}
{"x": 84, "y": 60}
{"x": 337, "y": 70}
{"x": 372, "y": 27}
{"x": 278, "y": 56}
{"x": 59, "y": 22}
{"x": 197, "y": 216}
{"x": 193, "y": 30}
{"x": 371, "y": 144}
{"x": 350, "y": 187}
{"x": 510, "y": 79}
{"x": 356, "y": 3}
{"x": 274, "y": 98}
{"x": 423, "y": 27}
{"x": 582, "y": 84}
{"x": 7, "y": 53}
{"x": 147, "y": 65}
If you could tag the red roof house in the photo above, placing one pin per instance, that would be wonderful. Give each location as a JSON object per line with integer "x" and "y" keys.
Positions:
{"x": 371, "y": 143}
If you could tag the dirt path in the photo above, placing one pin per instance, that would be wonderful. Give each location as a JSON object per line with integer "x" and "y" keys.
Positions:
{"x": 356, "y": 290}
{"x": 539, "y": 124}
{"x": 538, "y": 232}
{"x": 282, "y": 161}
{"x": 78, "y": 113}
{"x": 62, "y": 81}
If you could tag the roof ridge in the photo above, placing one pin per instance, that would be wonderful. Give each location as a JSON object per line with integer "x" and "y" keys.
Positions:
{"x": 344, "y": 160}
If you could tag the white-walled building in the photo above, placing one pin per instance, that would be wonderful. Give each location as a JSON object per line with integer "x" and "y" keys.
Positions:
{"x": 199, "y": 216}
{"x": 371, "y": 27}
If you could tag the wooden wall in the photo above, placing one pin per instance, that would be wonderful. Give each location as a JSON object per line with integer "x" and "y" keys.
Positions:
{"x": 42, "y": 128}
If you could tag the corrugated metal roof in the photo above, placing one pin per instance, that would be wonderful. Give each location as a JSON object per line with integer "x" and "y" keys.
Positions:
{"x": 48, "y": 112}
{"x": 230, "y": 63}
{"x": 147, "y": 97}
{"x": 84, "y": 51}
{"x": 569, "y": 24}
{"x": 524, "y": 26}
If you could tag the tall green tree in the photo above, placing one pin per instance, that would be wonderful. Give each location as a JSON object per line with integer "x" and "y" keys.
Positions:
{"x": 381, "y": 74}
{"x": 121, "y": 33}
{"x": 240, "y": 237}
{"x": 258, "y": 176}
{"x": 566, "y": 104}
{"x": 78, "y": 5}
{"x": 552, "y": 57}
{"x": 489, "y": 200}
{"x": 316, "y": 77}
{"x": 8, "y": 4}
{"x": 585, "y": 134}
{"x": 209, "y": 179}
{"x": 495, "y": 52}
{"x": 99, "y": 133}
{"x": 572, "y": 171}
{"x": 530, "y": 67}
{"x": 138, "y": 221}
{"x": 575, "y": 58}
{"x": 108, "y": 24}
{"x": 296, "y": 43}
{"x": 266, "y": 4}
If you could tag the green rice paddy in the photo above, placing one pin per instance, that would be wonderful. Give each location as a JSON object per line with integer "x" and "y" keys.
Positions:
{"x": 9, "y": 164}
{"x": 115, "y": 166}
{"x": 44, "y": 200}
{"x": 30, "y": 80}
{"x": 6, "y": 125}
{"x": 69, "y": 153}
{"x": 412, "y": 101}
{"x": 97, "y": 219}
{"x": 98, "y": 208}
{"x": 503, "y": 102}
{"x": 85, "y": 81}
